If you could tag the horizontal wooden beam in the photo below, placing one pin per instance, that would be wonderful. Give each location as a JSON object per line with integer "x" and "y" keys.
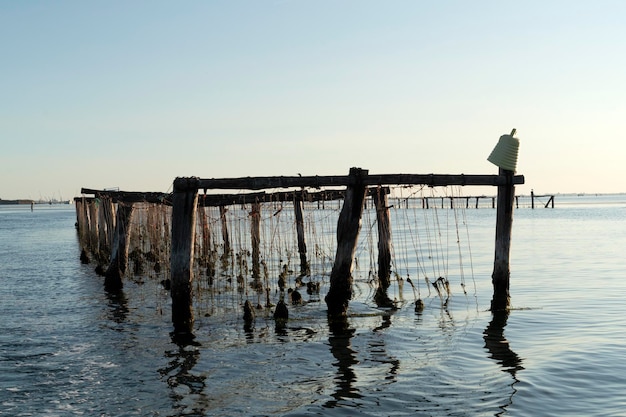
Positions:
{"x": 431, "y": 180}
{"x": 260, "y": 183}
{"x": 130, "y": 196}
{"x": 183, "y": 184}
{"x": 214, "y": 200}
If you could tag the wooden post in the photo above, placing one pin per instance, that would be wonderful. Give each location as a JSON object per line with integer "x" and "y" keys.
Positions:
{"x": 106, "y": 227}
{"x": 224, "y": 224}
{"x": 119, "y": 249}
{"x": 384, "y": 248}
{"x": 93, "y": 227}
{"x": 532, "y": 199}
{"x": 184, "y": 203}
{"x": 304, "y": 264}
{"x": 206, "y": 236}
{"x": 83, "y": 223}
{"x": 255, "y": 232}
{"x": 348, "y": 226}
{"x": 504, "y": 225}
{"x": 110, "y": 216}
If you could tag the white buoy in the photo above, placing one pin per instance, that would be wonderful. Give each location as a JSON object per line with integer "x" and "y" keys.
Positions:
{"x": 504, "y": 155}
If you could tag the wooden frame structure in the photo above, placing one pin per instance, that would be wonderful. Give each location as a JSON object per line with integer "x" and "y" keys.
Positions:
{"x": 185, "y": 202}
{"x": 358, "y": 184}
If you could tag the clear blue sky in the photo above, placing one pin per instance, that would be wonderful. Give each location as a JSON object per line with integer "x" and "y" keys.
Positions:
{"x": 132, "y": 94}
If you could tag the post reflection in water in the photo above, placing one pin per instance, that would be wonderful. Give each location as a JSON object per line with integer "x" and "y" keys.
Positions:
{"x": 379, "y": 352}
{"x": 501, "y": 352}
{"x": 187, "y": 387}
{"x": 339, "y": 339}
{"x": 118, "y": 305}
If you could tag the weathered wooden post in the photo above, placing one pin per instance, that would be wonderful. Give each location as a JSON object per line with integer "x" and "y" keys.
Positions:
{"x": 110, "y": 215}
{"x": 224, "y": 224}
{"x": 504, "y": 225}
{"x": 83, "y": 222}
{"x": 93, "y": 227}
{"x": 206, "y": 236}
{"x": 106, "y": 228}
{"x": 297, "y": 203}
{"x": 504, "y": 156}
{"x": 185, "y": 201}
{"x": 348, "y": 226}
{"x": 255, "y": 232}
{"x": 119, "y": 249}
{"x": 384, "y": 247}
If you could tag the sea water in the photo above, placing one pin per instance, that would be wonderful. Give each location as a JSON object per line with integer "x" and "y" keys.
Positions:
{"x": 68, "y": 348}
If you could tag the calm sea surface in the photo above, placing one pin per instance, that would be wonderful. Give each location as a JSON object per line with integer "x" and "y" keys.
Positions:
{"x": 67, "y": 348}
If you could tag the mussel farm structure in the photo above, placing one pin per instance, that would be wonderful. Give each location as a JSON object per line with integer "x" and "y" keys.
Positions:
{"x": 271, "y": 230}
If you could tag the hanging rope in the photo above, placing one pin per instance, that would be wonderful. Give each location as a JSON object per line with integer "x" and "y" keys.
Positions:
{"x": 458, "y": 241}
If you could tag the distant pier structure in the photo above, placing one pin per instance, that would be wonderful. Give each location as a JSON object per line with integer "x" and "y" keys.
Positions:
{"x": 480, "y": 201}
{"x": 533, "y": 197}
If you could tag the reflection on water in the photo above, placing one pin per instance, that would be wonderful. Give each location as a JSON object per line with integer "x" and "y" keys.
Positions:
{"x": 500, "y": 350}
{"x": 349, "y": 367}
{"x": 187, "y": 388}
{"x": 339, "y": 340}
{"x": 118, "y": 306}
{"x": 379, "y": 351}
{"x": 361, "y": 365}
{"x": 498, "y": 346}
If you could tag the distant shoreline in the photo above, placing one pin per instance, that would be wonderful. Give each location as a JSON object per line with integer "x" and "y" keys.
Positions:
{"x": 13, "y": 202}
{"x": 27, "y": 202}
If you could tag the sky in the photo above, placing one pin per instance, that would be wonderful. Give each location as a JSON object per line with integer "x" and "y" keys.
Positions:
{"x": 132, "y": 94}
